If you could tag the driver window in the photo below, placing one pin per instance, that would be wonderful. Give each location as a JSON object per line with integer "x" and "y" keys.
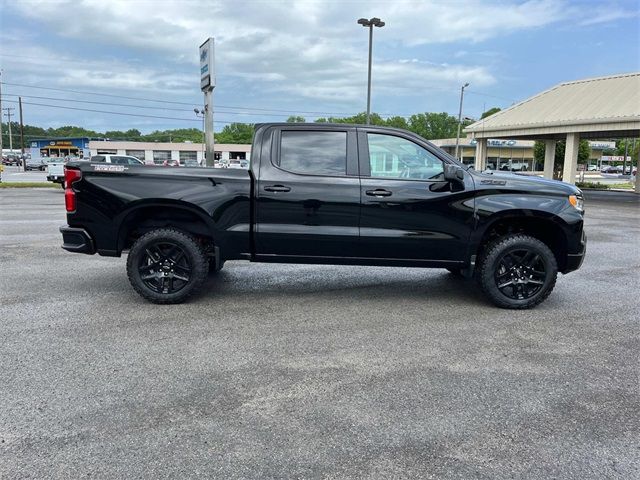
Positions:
{"x": 395, "y": 157}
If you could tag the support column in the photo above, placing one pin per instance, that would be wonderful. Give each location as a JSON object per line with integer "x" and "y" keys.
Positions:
{"x": 481, "y": 154}
{"x": 637, "y": 189}
{"x": 571, "y": 158}
{"x": 549, "y": 158}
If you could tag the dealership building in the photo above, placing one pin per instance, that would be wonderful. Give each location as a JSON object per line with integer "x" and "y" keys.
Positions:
{"x": 502, "y": 153}
{"x": 149, "y": 152}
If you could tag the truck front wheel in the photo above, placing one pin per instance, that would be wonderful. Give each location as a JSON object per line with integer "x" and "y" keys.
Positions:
{"x": 517, "y": 271}
{"x": 166, "y": 266}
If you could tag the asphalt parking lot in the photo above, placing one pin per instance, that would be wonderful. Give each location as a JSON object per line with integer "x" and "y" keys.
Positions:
{"x": 314, "y": 371}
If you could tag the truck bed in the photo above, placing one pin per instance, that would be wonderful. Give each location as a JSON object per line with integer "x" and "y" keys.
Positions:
{"x": 111, "y": 196}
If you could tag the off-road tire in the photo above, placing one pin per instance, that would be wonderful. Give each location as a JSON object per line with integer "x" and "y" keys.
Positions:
{"x": 490, "y": 261}
{"x": 193, "y": 254}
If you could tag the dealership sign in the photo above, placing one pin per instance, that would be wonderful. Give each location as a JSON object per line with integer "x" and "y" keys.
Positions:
{"x": 207, "y": 67}
{"x": 497, "y": 143}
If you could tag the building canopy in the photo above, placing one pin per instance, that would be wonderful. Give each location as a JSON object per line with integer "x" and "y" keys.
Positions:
{"x": 594, "y": 108}
{"x": 605, "y": 107}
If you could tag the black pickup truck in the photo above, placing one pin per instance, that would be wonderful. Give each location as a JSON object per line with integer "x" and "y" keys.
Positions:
{"x": 328, "y": 194}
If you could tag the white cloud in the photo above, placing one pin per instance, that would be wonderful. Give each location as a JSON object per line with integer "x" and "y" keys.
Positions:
{"x": 315, "y": 49}
{"x": 305, "y": 49}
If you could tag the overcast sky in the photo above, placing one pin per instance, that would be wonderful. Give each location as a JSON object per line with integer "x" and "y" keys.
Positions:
{"x": 275, "y": 58}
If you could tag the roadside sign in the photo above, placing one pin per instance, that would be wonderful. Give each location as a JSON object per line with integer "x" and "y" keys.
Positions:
{"x": 207, "y": 66}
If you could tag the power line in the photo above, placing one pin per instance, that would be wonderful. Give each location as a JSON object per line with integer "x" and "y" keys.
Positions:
{"x": 95, "y": 103}
{"x": 231, "y": 107}
{"x": 110, "y": 113}
{"x": 168, "y": 101}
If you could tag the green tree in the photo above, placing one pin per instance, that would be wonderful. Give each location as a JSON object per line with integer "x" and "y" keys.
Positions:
{"x": 397, "y": 122}
{"x": 627, "y": 145}
{"x": 584, "y": 152}
{"x": 434, "y": 125}
{"x": 236, "y": 133}
{"x": 490, "y": 112}
{"x": 296, "y": 119}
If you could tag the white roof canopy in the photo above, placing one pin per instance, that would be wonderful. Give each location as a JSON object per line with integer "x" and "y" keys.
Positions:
{"x": 605, "y": 107}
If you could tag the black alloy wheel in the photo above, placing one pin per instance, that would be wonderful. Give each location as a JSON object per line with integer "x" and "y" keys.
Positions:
{"x": 164, "y": 267}
{"x": 517, "y": 271}
{"x": 521, "y": 273}
{"x": 167, "y": 265}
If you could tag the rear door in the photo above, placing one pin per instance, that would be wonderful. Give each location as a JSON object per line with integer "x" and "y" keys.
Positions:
{"x": 308, "y": 193}
{"x": 409, "y": 211}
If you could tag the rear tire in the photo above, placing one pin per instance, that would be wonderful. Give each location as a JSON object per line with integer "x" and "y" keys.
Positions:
{"x": 166, "y": 266}
{"x": 517, "y": 271}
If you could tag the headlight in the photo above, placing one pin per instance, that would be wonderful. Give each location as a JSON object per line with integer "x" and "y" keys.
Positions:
{"x": 577, "y": 201}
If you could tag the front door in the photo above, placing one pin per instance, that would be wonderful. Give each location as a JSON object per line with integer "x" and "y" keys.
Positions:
{"x": 308, "y": 193}
{"x": 408, "y": 210}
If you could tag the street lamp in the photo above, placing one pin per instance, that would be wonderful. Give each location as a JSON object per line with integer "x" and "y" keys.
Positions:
{"x": 460, "y": 117}
{"x": 201, "y": 114}
{"x": 372, "y": 22}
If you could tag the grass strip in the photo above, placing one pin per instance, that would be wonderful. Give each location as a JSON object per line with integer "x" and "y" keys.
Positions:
{"x": 29, "y": 185}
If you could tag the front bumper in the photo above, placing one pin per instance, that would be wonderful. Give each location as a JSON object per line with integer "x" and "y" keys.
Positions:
{"x": 574, "y": 260}
{"x": 77, "y": 240}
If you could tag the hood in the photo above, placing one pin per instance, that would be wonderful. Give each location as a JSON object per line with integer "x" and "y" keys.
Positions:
{"x": 519, "y": 181}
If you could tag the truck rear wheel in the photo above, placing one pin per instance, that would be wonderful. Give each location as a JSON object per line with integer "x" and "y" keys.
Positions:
{"x": 517, "y": 271}
{"x": 166, "y": 266}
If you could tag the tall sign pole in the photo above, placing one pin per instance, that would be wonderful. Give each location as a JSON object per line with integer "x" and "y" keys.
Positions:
{"x": 207, "y": 84}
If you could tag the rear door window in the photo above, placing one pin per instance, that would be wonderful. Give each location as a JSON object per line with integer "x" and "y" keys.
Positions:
{"x": 98, "y": 158}
{"x": 313, "y": 153}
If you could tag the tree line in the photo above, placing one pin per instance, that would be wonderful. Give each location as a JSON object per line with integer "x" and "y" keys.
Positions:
{"x": 429, "y": 125}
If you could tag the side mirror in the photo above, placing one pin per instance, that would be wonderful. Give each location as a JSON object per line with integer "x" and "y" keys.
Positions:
{"x": 453, "y": 173}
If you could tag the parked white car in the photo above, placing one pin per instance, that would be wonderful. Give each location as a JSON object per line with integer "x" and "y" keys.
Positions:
{"x": 117, "y": 159}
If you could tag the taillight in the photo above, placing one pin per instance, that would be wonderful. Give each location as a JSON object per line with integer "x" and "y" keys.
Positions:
{"x": 70, "y": 177}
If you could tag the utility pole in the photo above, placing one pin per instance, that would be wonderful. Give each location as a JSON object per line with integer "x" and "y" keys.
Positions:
{"x": 24, "y": 159}
{"x": 8, "y": 109}
{"x": 460, "y": 119}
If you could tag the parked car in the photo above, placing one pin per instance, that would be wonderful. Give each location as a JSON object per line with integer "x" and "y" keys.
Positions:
{"x": 11, "y": 159}
{"x": 55, "y": 170}
{"x": 37, "y": 163}
{"x": 238, "y": 163}
{"x": 592, "y": 168}
{"x": 315, "y": 194}
{"x": 191, "y": 163}
{"x": 171, "y": 163}
{"x": 117, "y": 159}
{"x": 515, "y": 167}
{"x": 610, "y": 169}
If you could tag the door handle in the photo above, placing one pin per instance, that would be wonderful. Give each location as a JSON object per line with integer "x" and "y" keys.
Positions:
{"x": 277, "y": 188}
{"x": 378, "y": 192}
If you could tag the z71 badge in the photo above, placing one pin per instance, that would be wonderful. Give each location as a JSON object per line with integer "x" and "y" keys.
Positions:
{"x": 109, "y": 168}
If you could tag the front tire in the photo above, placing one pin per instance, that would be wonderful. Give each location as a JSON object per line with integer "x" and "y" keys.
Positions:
{"x": 517, "y": 271}
{"x": 166, "y": 266}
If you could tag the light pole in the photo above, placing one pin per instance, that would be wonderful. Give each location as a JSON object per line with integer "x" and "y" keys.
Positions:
{"x": 460, "y": 117}
{"x": 200, "y": 114}
{"x": 372, "y": 22}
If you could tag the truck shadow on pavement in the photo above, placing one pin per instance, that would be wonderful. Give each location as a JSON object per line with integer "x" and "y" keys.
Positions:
{"x": 342, "y": 283}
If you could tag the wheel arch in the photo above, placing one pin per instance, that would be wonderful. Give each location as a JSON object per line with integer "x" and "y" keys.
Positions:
{"x": 143, "y": 217}
{"x": 544, "y": 226}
